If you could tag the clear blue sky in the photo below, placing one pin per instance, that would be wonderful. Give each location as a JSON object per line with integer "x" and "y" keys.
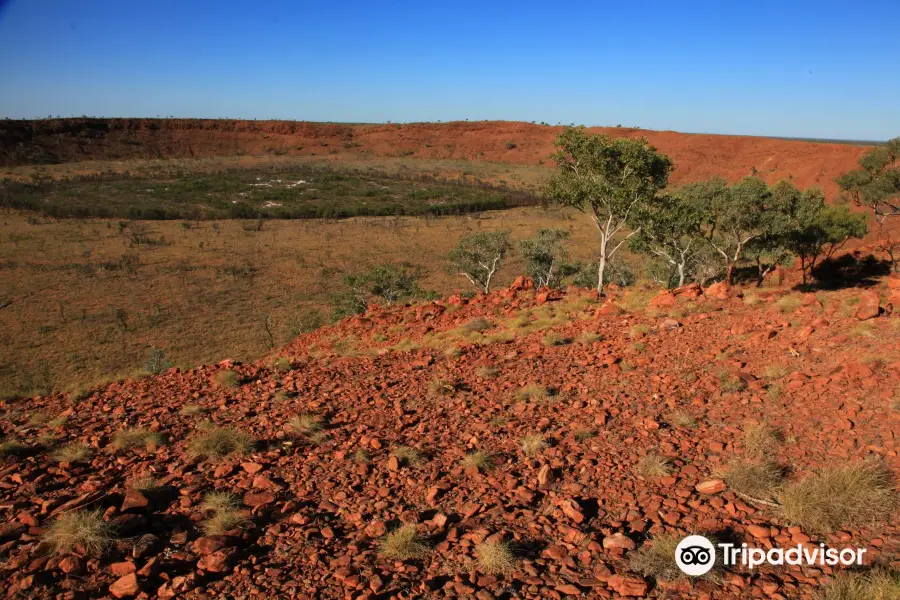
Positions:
{"x": 792, "y": 67}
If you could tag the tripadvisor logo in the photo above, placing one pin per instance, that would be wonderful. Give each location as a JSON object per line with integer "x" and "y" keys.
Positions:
{"x": 695, "y": 555}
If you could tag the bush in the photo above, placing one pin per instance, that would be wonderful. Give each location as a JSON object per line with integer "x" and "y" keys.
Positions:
{"x": 157, "y": 362}
{"x": 477, "y": 257}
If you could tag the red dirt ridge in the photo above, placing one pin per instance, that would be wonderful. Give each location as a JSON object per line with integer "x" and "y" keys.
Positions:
{"x": 696, "y": 156}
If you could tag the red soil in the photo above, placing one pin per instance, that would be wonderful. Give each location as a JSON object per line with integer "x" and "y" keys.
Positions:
{"x": 575, "y": 511}
{"x": 696, "y": 156}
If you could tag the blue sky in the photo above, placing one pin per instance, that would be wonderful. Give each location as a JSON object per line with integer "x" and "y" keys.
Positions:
{"x": 791, "y": 68}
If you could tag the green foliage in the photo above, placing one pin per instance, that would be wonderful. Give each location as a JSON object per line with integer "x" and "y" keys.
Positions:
{"x": 478, "y": 256}
{"x": 814, "y": 229}
{"x": 389, "y": 283}
{"x": 613, "y": 181}
{"x": 157, "y": 362}
{"x": 545, "y": 256}
{"x": 876, "y": 184}
{"x": 671, "y": 233}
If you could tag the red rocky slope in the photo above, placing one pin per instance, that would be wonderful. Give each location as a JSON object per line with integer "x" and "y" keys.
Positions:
{"x": 575, "y": 512}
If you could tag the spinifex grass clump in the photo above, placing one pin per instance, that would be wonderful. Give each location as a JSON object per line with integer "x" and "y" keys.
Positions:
{"x": 79, "y": 529}
{"x": 404, "y": 544}
{"x": 219, "y": 442}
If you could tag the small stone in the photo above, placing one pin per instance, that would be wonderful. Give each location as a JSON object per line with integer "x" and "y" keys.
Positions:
{"x": 711, "y": 486}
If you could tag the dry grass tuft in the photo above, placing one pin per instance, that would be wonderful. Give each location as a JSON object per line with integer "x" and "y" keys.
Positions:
{"x": 70, "y": 453}
{"x": 878, "y": 584}
{"x": 755, "y": 479}
{"x": 532, "y": 444}
{"x": 226, "y": 514}
{"x": 83, "y": 529}
{"x": 190, "y": 410}
{"x": 582, "y": 435}
{"x": 495, "y": 558}
{"x": 654, "y": 465}
{"x": 478, "y": 460}
{"x": 409, "y": 456}
{"x": 656, "y": 559}
{"x": 478, "y": 324}
{"x": 305, "y": 424}
{"x": 137, "y": 438}
{"x": 220, "y": 442}
{"x": 404, "y": 544}
{"x": 533, "y": 391}
{"x": 144, "y": 484}
{"x": 847, "y": 495}
{"x": 789, "y": 303}
{"x": 775, "y": 371}
{"x": 681, "y": 419}
{"x": 440, "y": 386}
{"x": 226, "y": 379}
{"x": 760, "y": 439}
{"x": 487, "y": 372}
{"x": 589, "y": 337}
{"x": 731, "y": 383}
{"x": 283, "y": 364}
{"x": 555, "y": 339}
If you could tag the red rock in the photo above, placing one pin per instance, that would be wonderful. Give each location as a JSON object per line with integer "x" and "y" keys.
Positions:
{"x": 125, "y": 587}
{"x": 542, "y": 297}
{"x": 711, "y": 486}
{"x": 868, "y": 307}
{"x": 759, "y": 532}
{"x": 122, "y": 568}
{"x": 669, "y": 324}
{"x": 70, "y": 565}
{"x": 719, "y": 291}
{"x": 260, "y": 499}
{"x": 210, "y": 543}
{"x": 628, "y": 586}
{"x": 217, "y": 562}
{"x": 662, "y": 300}
{"x": 618, "y": 541}
{"x": 569, "y": 589}
{"x": 691, "y": 290}
{"x": 572, "y": 510}
{"x": 545, "y": 475}
{"x": 609, "y": 309}
{"x": 251, "y": 467}
{"x": 134, "y": 499}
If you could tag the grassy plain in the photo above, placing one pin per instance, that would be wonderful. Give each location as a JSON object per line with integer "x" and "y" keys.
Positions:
{"x": 83, "y": 300}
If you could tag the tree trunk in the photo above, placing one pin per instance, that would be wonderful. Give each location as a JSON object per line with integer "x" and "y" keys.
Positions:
{"x": 729, "y": 278}
{"x": 680, "y": 274}
{"x": 602, "y": 267}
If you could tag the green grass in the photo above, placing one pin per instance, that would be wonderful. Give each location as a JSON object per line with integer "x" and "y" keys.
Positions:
{"x": 256, "y": 194}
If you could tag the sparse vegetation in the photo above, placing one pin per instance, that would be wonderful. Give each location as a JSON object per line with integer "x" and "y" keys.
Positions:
{"x": 137, "y": 438}
{"x": 226, "y": 379}
{"x": 225, "y": 514}
{"x": 305, "y": 424}
{"x": 654, "y": 465}
{"x": 877, "y": 584}
{"x": 409, "y": 456}
{"x": 845, "y": 495}
{"x": 404, "y": 544}
{"x": 532, "y": 391}
{"x": 72, "y": 453}
{"x": 760, "y": 439}
{"x": 683, "y": 419}
{"x": 532, "y": 444}
{"x": 84, "y": 529}
{"x": 219, "y": 442}
{"x": 656, "y": 558}
{"x": 495, "y": 558}
{"x": 756, "y": 479}
{"x": 479, "y": 460}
